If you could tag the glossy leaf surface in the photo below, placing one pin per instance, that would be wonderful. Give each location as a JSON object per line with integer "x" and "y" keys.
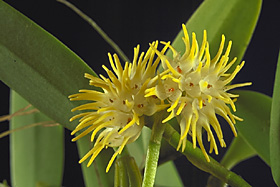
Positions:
{"x": 39, "y": 67}
{"x": 275, "y": 128}
{"x": 238, "y": 151}
{"x": 37, "y": 153}
{"x": 254, "y": 108}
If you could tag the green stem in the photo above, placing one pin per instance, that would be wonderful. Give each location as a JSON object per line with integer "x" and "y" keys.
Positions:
{"x": 97, "y": 28}
{"x": 196, "y": 157}
{"x": 153, "y": 153}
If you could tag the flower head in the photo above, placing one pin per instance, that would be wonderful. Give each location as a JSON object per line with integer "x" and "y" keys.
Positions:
{"x": 115, "y": 113}
{"x": 196, "y": 87}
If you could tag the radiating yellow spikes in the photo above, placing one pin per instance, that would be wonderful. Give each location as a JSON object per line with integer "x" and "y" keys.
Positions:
{"x": 171, "y": 115}
{"x": 91, "y": 96}
{"x": 194, "y": 48}
{"x": 83, "y": 133}
{"x": 212, "y": 140}
{"x": 116, "y": 154}
{"x": 92, "y": 106}
{"x": 161, "y": 52}
{"x": 88, "y": 154}
{"x": 181, "y": 107}
{"x": 118, "y": 65}
{"x": 203, "y": 46}
{"x": 175, "y": 53}
{"x": 93, "y": 156}
{"x": 207, "y": 57}
{"x": 199, "y": 139}
{"x": 98, "y": 128}
{"x": 228, "y": 48}
{"x": 186, "y": 37}
{"x": 225, "y": 69}
{"x": 83, "y": 124}
{"x": 220, "y": 51}
{"x": 112, "y": 62}
{"x": 231, "y": 77}
{"x": 188, "y": 124}
{"x": 201, "y": 93}
{"x": 171, "y": 68}
{"x": 113, "y": 78}
{"x": 174, "y": 105}
{"x": 79, "y": 116}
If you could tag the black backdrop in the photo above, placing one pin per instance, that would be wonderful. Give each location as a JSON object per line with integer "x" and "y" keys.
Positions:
{"x": 130, "y": 23}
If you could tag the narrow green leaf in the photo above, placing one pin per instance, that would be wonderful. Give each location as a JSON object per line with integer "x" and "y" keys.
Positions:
{"x": 234, "y": 18}
{"x": 168, "y": 176}
{"x": 46, "y": 70}
{"x": 275, "y": 128}
{"x": 254, "y": 108}
{"x": 37, "y": 153}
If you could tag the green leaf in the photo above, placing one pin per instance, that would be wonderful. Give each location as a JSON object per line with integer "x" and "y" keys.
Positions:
{"x": 275, "y": 128}
{"x": 44, "y": 72}
{"x": 236, "y": 19}
{"x": 39, "y": 67}
{"x": 238, "y": 151}
{"x": 37, "y": 153}
{"x": 167, "y": 175}
{"x": 254, "y": 108}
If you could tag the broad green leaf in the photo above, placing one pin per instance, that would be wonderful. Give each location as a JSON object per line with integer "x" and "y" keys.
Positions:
{"x": 168, "y": 176}
{"x": 275, "y": 128}
{"x": 238, "y": 151}
{"x": 254, "y": 108}
{"x": 91, "y": 177}
{"x": 39, "y": 67}
{"x": 236, "y": 19}
{"x": 37, "y": 153}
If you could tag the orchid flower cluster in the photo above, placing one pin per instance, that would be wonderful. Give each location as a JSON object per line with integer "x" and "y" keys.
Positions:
{"x": 192, "y": 87}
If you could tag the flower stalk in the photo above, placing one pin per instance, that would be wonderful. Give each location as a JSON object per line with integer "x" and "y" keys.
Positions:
{"x": 153, "y": 152}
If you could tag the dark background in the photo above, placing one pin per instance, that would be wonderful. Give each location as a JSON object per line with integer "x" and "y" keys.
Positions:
{"x": 130, "y": 23}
